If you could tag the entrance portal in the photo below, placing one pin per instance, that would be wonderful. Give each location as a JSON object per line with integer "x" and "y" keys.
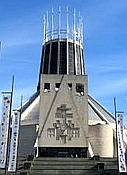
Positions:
{"x": 63, "y": 152}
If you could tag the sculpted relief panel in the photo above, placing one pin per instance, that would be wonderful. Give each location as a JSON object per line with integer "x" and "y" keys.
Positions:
{"x": 63, "y": 129}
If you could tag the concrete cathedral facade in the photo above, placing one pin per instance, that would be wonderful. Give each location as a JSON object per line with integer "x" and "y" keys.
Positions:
{"x": 61, "y": 118}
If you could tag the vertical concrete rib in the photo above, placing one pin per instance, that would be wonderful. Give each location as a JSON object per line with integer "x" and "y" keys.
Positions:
{"x": 59, "y": 21}
{"x": 44, "y": 36}
{"x": 80, "y": 44}
{"x": 50, "y": 54}
{"x": 51, "y": 38}
{"x": 47, "y": 27}
{"x": 67, "y": 42}
{"x": 82, "y": 29}
{"x": 44, "y": 45}
{"x": 74, "y": 30}
{"x": 52, "y": 24}
{"x": 82, "y": 58}
{"x": 43, "y": 59}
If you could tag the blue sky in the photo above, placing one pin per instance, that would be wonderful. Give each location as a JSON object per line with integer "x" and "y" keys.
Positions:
{"x": 105, "y": 47}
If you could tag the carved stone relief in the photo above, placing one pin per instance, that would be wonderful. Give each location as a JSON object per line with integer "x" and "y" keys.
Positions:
{"x": 63, "y": 129}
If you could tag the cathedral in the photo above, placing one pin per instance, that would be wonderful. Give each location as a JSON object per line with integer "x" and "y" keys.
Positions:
{"x": 61, "y": 119}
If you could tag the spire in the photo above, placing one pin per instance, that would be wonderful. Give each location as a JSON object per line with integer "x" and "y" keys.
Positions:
{"x": 44, "y": 35}
{"x": 47, "y": 27}
{"x": 67, "y": 22}
{"x": 79, "y": 26}
{"x": 52, "y": 24}
{"x": 67, "y": 41}
{"x": 82, "y": 29}
{"x": 59, "y": 22}
{"x": 74, "y": 27}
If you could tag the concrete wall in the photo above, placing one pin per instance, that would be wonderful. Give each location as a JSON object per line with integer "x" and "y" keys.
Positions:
{"x": 49, "y": 103}
{"x": 101, "y": 139}
{"x": 27, "y": 140}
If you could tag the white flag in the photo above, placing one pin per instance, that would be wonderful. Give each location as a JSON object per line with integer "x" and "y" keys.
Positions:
{"x": 4, "y": 129}
{"x": 14, "y": 141}
{"x": 121, "y": 156}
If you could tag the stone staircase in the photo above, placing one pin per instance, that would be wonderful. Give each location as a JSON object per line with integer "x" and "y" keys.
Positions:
{"x": 65, "y": 166}
{"x": 73, "y": 166}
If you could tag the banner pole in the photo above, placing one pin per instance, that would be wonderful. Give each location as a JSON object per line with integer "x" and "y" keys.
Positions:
{"x": 8, "y": 139}
{"x": 116, "y": 134}
{"x": 19, "y": 131}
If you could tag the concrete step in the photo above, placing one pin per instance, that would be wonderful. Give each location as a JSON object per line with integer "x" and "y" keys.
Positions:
{"x": 63, "y": 163}
{"x": 75, "y": 160}
{"x": 40, "y": 173}
{"x": 67, "y": 167}
{"x": 89, "y": 163}
{"x": 65, "y": 172}
{"x": 73, "y": 166}
{"x": 61, "y": 159}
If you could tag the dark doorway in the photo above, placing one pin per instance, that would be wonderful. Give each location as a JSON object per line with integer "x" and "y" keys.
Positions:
{"x": 63, "y": 152}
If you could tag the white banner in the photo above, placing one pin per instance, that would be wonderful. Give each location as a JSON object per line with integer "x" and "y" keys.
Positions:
{"x": 4, "y": 129}
{"x": 14, "y": 141}
{"x": 121, "y": 155}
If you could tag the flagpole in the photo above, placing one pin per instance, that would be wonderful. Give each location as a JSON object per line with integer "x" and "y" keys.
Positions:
{"x": 19, "y": 129}
{"x": 8, "y": 139}
{"x": 116, "y": 133}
